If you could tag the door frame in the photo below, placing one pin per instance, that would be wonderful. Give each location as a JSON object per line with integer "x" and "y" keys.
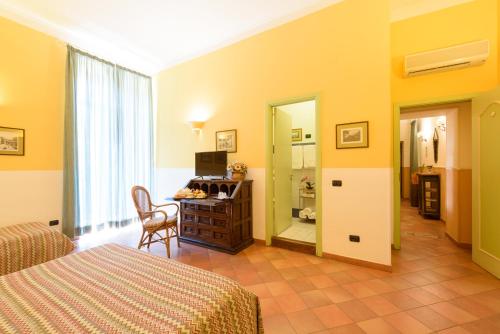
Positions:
{"x": 396, "y": 243}
{"x": 269, "y": 167}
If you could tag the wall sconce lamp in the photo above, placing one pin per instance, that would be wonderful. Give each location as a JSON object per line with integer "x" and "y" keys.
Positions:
{"x": 420, "y": 137}
{"x": 441, "y": 124}
{"x": 196, "y": 126}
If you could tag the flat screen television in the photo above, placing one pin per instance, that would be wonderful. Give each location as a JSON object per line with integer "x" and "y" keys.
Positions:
{"x": 211, "y": 163}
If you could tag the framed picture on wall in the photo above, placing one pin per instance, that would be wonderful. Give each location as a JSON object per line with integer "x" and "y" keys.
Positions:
{"x": 226, "y": 141}
{"x": 352, "y": 135}
{"x": 11, "y": 141}
{"x": 296, "y": 134}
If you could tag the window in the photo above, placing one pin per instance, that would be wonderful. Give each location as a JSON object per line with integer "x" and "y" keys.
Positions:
{"x": 109, "y": 142}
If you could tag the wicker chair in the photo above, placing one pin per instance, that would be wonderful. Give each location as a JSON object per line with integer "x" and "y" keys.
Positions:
{"x": 154, "y": 221}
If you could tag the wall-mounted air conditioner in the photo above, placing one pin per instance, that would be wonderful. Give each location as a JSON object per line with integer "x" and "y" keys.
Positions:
{"x": 454, "y": 57}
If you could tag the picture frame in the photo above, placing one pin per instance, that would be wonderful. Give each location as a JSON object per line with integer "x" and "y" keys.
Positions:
{"x": 11, "y": 141}
{"x": 352, "y": 135}
{"x": 226, "y": 140}
{"x": 297, "y": 134}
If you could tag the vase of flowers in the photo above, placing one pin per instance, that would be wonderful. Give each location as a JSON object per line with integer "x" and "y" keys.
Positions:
{"x": 238, "y": 170}
{"x": 307, "y": 184}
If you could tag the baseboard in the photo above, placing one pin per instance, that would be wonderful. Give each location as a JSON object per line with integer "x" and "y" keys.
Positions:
{"x": 259, "y": 242}
{"x": 459, "y": 244}
{"x": 357, "y": 262}
{"x": 294, "y": 245}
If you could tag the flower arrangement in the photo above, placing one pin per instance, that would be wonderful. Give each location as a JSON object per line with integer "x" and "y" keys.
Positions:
{"x": 237, "y": 167}
{"x": 308, "y": 184}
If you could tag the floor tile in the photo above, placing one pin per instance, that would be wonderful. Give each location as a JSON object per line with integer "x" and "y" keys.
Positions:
{"x": 454, "y": 330}
{"x": 315, "y": 298}
{"x": 332, "y": 316}
{"x": 291, "y": 303}
{"x": 269, "y": 307}
{"x": 260, "y": 290}
{"x": 347, "y": 329}
{"x": 305, "y": 322}
{"x": 378, "y": 286}
{"x": 406, "y": 323}
{"x": 356, "y": 310}
{"x": 441, "y": 291}
{"x": 377, "y": 326}
{"x": 472, "y": 284}
{"x": 401, "y": 300}
{"x": 431, "y": 318}
{"x": 279, "y": 288}
{"x": 301, "y": 284}
{"x": 452, "y": 312}
{"x": 483, "y": 326}
{"x": 359, "y": 289}
{"x": 321, "y": 281}
{"x": 278, "y": 324}
{"x": 422, "y": 296}
{"x": 473, "y": 307}
{"x": 337, "y": 294}
{"x": 380, "y": 305}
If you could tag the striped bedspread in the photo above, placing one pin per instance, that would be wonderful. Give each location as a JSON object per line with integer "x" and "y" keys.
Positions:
{"x": 116, "y": 289}
{"x": 25, "y": 245}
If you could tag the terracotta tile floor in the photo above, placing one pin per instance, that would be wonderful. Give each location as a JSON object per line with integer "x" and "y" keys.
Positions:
{"x": 434, "y": 287}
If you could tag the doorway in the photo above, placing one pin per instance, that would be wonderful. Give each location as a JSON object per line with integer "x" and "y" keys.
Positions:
{"x": 435, "y": 174}
{"x": 294, "y": 212}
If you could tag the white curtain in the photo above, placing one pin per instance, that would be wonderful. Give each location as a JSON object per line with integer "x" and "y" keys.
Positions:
{"x": 113, "y": 149}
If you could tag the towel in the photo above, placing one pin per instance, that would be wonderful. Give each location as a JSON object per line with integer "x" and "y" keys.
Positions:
{"x": 297, "y": 157}
{"x": 309, "y": 156}
{"x": 305, "y": 213}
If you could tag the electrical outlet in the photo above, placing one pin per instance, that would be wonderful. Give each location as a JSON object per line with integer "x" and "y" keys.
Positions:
{"x": 308, "y": 136}
{"x": 354, "y": 238}
{"x": 337, "y": 183}
{"x": 53, "y": 222}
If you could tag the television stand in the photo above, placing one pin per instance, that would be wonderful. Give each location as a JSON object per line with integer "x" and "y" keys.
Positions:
{"x": 224, "y": 225}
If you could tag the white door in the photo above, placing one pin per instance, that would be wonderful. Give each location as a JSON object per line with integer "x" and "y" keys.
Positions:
{"x": 282, "y": 171}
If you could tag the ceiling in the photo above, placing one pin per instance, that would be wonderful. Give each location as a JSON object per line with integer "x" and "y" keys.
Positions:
{"x": 150, "y": 35}
{"x": 403, "y": 9}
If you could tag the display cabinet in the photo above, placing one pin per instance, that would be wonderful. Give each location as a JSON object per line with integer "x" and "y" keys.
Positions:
{"x": 430, "y": 195}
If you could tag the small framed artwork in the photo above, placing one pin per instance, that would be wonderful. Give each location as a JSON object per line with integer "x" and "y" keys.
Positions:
{"x": 11, "y": 141}
{"x": 226, "y": 141}
{"x": 352, "y": 135}
{"x": 296, "y": 134}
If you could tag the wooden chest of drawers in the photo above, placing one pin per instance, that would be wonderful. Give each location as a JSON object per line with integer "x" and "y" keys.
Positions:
{"x": 224, "y": 225}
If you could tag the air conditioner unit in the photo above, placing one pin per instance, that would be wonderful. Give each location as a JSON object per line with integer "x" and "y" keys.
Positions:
{"x": 454, "y": 57}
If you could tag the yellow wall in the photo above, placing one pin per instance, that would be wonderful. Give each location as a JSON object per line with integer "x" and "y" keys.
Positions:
{"x": 341, "y": 54}
{"x": 32, "y": 67}
{"x": 32, "y": 95}
{"x": 468, "y": 22}
{"x": 328, "y": 53}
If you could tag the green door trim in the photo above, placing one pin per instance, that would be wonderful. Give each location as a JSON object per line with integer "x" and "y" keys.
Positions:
{"x": 396, "y": 154}
{"x": 269, "y": 168}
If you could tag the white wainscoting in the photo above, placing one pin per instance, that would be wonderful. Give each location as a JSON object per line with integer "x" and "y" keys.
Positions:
{"x": 362, "y": 206}
{"x": 28, "y": 196}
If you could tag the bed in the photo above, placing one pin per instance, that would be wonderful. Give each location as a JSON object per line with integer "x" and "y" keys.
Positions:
{"x": 25, "y": 245}
{"x": 116, "y": 289}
